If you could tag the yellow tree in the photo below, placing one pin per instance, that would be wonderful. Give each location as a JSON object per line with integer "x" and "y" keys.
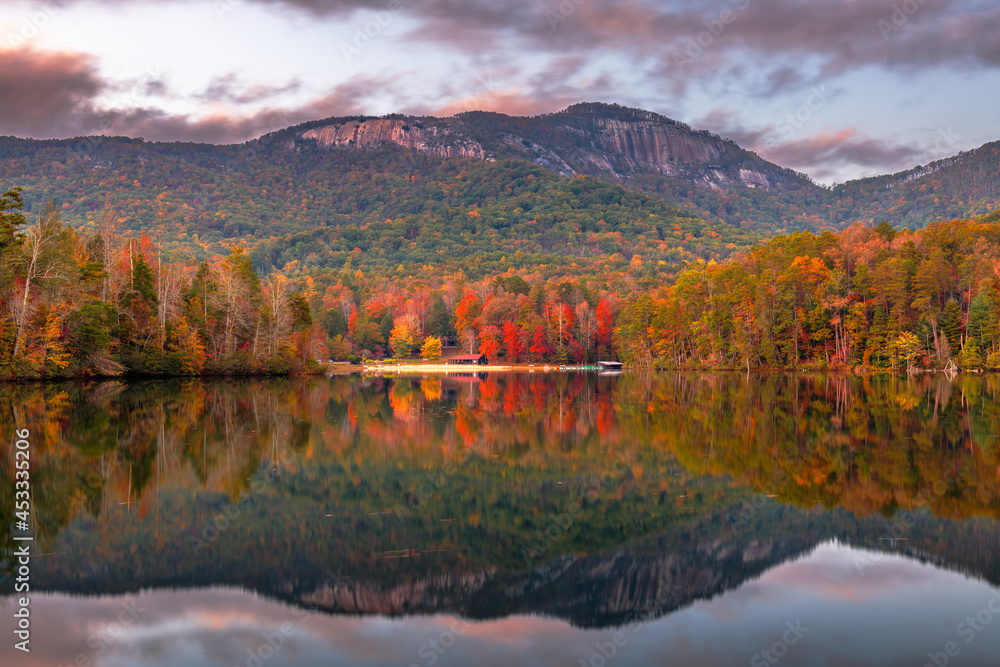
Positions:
{"x": 185, "y": 339}
{"x": 401, "y": 341}
{"x": 905, "y": 348}
{"x": 431, "y": 348}
{"x": 237, "y": 297}
{"x": 50, "y": 355}
{"x": 278, "y": 314}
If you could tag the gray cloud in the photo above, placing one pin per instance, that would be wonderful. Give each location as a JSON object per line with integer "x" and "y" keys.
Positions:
{"x": 726, "y": 123}
{"x": 45, "y": 93}
{"x": 228, "y": 88}
{"x": 511, "y": 90}
{"x": 843, "y": 34}
{"x": 825, "y": 155}
{"x": 57, "y": 95}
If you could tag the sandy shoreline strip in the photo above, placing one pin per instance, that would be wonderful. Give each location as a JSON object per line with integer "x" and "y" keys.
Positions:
{"x": 453, "y": 368}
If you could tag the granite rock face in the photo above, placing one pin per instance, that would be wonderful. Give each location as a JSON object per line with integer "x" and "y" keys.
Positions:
{"x": 606, "y": 141}
{"x": 440, "y": 141}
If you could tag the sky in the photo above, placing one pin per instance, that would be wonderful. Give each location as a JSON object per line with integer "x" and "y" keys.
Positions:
{"x": 838, "y": 89}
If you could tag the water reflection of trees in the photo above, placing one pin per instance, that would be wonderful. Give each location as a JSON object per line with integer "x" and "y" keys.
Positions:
{"x": 871, "y": 444}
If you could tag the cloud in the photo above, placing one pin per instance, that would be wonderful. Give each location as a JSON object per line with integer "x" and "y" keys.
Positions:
{"x": 227, "y": 88}
{"x": 828, "y": 154}
{"x": 783, "y": 79}
{"x": 510, "y": 102}
{"x": 232, "y": 126}
{"x": 841, "y": 35}
{"x": 845, "y": 33}
{"x": 762, "y": 48}
{"x": 783, "y": 37}
{"x": 59, "y": 95}
{"x": 46, "y": 93}
{"x": 726, "y": 122}
{"x": 825, "y": 155}
{"x": 559, "y": 84}
{"x": 49, "y": 95}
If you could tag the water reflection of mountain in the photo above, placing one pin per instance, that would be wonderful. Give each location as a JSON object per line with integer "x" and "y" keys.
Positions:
{"x": 655, "y": 575}
{"x": 312, "y": 474}
{"x": 660, "y": 574}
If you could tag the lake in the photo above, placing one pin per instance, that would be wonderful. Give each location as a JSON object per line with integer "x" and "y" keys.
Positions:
{"x": 537, "y": 519}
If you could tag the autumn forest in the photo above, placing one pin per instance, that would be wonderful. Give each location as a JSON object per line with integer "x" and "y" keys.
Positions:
{"x": 120, "y": 256}
{"x": 107, "y": 303}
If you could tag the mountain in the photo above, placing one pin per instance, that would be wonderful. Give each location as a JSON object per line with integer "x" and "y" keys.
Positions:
{"x": 606, "y": 141}
{"x": 384, "y": 208}
{"x": 653, "y": 154}
{"x": 591, "y": 184}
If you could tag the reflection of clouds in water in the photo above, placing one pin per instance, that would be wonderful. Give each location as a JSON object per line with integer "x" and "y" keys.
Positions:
{"x": 834, "y": 571}
{"x": 893, "y": 615}
{"x": 837, "y": 573}
{"x": 886, "y": 616}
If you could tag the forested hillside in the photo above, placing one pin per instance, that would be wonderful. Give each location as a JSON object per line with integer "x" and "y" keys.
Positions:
{"x": 965, "y": 185}
{"x": 427, "y": 174}
{"x": 121, "y": 255}
{"x": 492, "y": 217}
{"x": 316, "y": 205}
{"x": 107, "y": 303}
{"x": 875, "y": 297}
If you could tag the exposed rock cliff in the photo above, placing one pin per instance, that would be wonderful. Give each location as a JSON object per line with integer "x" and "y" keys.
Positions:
{"x": 431, "y": 594}
{"x": 437, "y": 140}
{"x": 606, "y": 141}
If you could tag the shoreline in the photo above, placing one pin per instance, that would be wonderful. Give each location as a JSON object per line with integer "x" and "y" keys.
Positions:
{"x": 474, "y": 368}
{"x": 344, "y": 369}
{"x": 446, "y": 368}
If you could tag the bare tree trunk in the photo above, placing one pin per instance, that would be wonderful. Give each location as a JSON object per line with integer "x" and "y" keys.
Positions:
{"x": 23, "y": 314}
{"x": 937, "y": 342}
{"x": 36, "y": 239}
{"x": 161, "y": 295}
{"x": 256, "y": 338}
{"x": 40, "y": 264}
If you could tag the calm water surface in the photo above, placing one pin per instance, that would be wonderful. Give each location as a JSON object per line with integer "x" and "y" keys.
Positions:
{"x": 539, "y": 519}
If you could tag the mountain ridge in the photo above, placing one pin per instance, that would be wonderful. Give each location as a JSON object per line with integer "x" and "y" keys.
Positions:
{"x": 595, "y": 139}
{"x": 412, "y": 173}
{"x": 645, "y": 151}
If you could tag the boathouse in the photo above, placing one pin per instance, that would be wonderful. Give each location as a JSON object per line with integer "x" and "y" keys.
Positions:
{"x": 469, "y": 360}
